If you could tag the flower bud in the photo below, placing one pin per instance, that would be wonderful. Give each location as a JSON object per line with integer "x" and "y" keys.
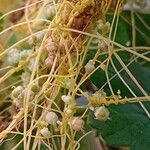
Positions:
{"x": 89, "y": 67}
{"x": 45, "y": 132}
{"x": 101, "y": 113}
{"x": 67, "y": 99}
{"x": 49, "y": 62}
{"x": 51, "y": 118}
{"x": 77, "y": 123}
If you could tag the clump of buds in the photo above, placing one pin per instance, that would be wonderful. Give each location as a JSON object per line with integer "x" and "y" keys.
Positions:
{"x": 52, "y": 48}
{"x": 77, "y": 123}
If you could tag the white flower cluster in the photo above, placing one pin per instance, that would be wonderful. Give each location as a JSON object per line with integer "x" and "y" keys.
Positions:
{"x": 17, "y": 96}
{"x": 36, "y": 38}
{"x": 15, "y": 55}
{"x": 48, "y": 13}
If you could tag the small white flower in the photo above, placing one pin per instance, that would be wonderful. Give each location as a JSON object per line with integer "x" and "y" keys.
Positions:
{"x": 16, "y": 92}
{"x": 67, "y": 99}
{"x": 128, "y": 43}
{"x": 89, "y": 67}
{"x": 45, "y": 132}
{"x": 51, "y": 118}
{"x": 101, "y": 113}
{"x": 77, "y": 123}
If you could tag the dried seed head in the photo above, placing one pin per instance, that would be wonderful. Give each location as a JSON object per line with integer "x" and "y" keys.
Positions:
{"x": 45, "y": 132}
{"x": 77, "y": 123}
{"x": 101, "y": 113}
{"x": 67, "y": 99}
{"x": 89, "y": 67}
{"x": 51, "y": 117}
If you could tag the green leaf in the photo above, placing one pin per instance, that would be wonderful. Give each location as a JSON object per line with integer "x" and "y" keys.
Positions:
{"x": 128, "y": 126}
{"x": 124, "y": 28}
